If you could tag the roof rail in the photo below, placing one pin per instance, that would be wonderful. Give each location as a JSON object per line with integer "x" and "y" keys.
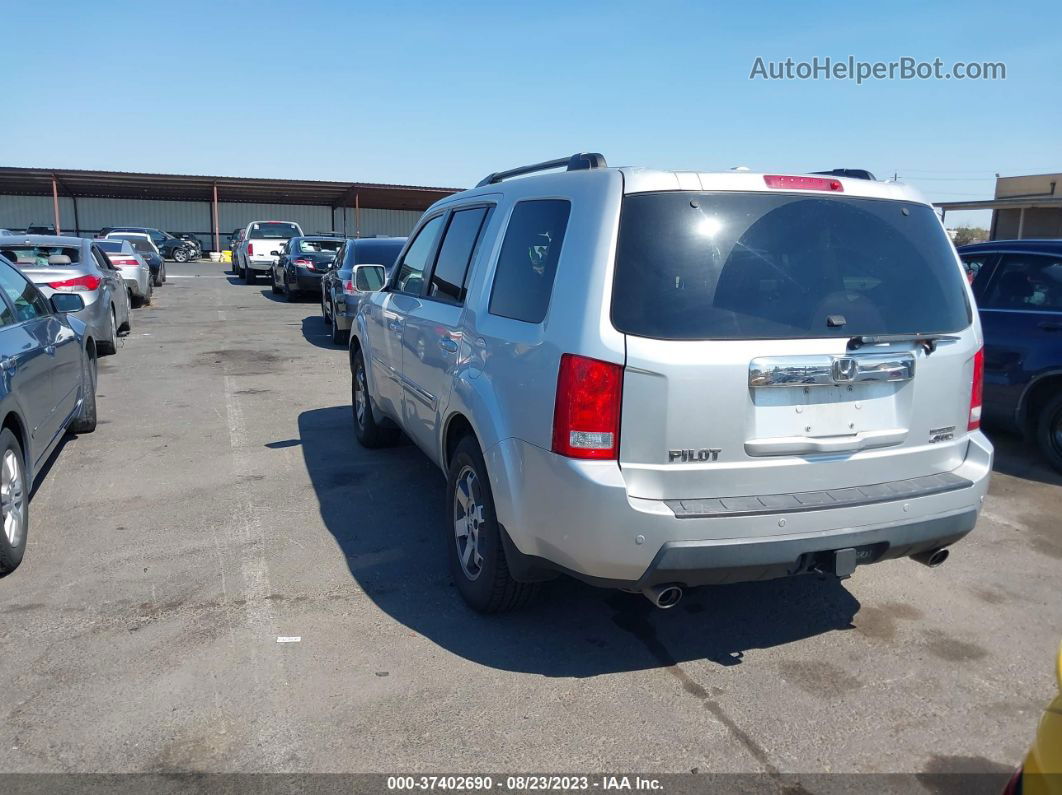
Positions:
{"x": 580, "y": 161}
{"x": 854, "y": 173}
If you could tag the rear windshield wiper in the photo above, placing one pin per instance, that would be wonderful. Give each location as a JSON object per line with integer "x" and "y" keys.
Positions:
{"x": 927, "y": 341}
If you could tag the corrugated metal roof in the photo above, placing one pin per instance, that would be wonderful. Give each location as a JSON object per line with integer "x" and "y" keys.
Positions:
{"x": 188, "y": 187}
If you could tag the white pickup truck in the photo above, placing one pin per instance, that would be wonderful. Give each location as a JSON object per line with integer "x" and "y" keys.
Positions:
{"x": 260, "y": 240}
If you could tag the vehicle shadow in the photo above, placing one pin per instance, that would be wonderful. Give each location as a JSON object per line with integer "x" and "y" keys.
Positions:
{"x": 267, "y": 293}
{"x": 315, "y": 331}
{"x": 385, "y": 510}
{"x": 1019, "y": 458}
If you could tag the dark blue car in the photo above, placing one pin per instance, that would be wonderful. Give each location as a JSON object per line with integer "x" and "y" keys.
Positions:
{"x": 1018, "y": 286}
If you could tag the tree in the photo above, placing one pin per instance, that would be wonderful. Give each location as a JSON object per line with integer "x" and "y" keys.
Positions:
{"x": 969, "y": 234}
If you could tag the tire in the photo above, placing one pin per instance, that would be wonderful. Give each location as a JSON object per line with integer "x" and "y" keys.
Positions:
{"x": 339, "y": 336}
{"x": 110, "y": 346}
{"x": 86, "y": 420}
{"x": 291, "y": 296}
{"x": 150, "y": 292}
{"x": 127, "y": 326}
{"x": 135, "y": 301}
{"x": 475, "y": 552}
{"x": 180, "y": 255}
{"x": 273, "y": 283}
{"x": 156, "y": 279}
{"x": 1049, "y": 432}
{"x": 162, "y": 273}
{"x": 367, "y": 430}
{"x": 14, "y": 503}
{"x": 248, "y": 275}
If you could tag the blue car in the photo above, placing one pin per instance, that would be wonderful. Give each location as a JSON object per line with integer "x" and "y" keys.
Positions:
{"x": 47, "y": 387}
{"x": 1018, "y": 287}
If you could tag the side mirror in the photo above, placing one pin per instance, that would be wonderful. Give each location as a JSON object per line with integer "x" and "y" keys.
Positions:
{"x": 369, "y": 278}
{"x": 67, "y": 302}
{"x": 274, "y": 253}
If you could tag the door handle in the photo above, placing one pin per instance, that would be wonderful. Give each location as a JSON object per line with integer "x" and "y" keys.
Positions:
{"x": 50, "y": 350}
{"x": 395, "y": 326}
{"x": 448, "y": 345}
{"x": 1050, "y": 325}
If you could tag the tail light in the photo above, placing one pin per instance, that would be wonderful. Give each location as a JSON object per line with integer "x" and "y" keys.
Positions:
{"x": 124, "y": 262}
{"x": 348, "y": 287}
{"x": 250, "y": 248}
{"x": 803, "y": 183}
{"x": 586, "y": 417}
{"x": 306, "y": 263}
{"x": 88, "y": 283}
{"x": 977, "y": 390}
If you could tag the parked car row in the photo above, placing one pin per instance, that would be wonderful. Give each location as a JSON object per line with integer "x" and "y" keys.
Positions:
{"x": 64, "y": 302}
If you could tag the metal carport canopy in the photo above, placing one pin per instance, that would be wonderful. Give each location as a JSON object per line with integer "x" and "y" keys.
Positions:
{"x": 134, "y": 185}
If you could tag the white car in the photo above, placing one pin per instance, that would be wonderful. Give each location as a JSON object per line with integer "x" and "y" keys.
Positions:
{"x": 135, "y": 271}
{"x": 260, "y": 248}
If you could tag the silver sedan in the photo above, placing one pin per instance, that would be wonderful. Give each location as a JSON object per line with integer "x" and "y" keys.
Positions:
{"x": 134, "y": 269}
{"x": 76, "y": 265}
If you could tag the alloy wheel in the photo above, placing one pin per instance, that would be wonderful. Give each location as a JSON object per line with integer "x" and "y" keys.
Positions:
{"x": 12, "y": 499}
{"x": 360, "y": 396}
{"x": 468, "y": 519}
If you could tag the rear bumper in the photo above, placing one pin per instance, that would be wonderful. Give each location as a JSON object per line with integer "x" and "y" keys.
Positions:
{"x": 576, "y": 517}
{"x": 307, "y": 282}
{"x": 260, "y": 264}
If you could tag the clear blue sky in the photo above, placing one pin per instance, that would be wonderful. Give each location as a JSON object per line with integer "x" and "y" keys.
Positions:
{"x": 440, "y": 94}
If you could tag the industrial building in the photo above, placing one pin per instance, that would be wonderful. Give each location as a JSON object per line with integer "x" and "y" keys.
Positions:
{"x": 84, "y": 202}
{"x": 1023, "y": 207}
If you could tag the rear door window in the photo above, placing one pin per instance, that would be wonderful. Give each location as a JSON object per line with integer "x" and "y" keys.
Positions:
{"x": 777, "y": 265}
{"x": 1031, "y": 282}
{"x": 527, "y": 265}
{"x": 455, "y": 254}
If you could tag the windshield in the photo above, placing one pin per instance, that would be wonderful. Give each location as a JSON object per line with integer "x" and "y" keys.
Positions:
{"x": 274, "y": 230}
{"x": 41, "y": 256}
{"x": 776, "y": 265}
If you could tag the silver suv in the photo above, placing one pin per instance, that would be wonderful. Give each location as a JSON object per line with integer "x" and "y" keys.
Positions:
{"x": 653, "y": 380}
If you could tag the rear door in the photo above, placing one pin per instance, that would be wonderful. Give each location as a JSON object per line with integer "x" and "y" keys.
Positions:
{"x": 1021, "y": 314}
{"x": 747, "y": 369}
{"x": 431, "y": 334}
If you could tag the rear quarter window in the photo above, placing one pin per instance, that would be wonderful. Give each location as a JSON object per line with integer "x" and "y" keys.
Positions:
{"x": 527, "y": 265}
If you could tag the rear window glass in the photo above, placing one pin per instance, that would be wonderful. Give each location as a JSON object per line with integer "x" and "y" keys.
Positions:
{"x": 319, "y": 246}
{"x": 376, "y": 252}
{"x": 527, "y": 265}
{"x": 274, "y": 231}
{"x": 110, "y": 245}
{"x": 41, "y": 256}
{"x": 138, "y": 242}
{"x": 774, "y": 266}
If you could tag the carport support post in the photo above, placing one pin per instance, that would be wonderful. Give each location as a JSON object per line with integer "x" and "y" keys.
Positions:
{"x": 357, "y": 216}
{"x": 55, "y": 204}
{"x": 217, "y": 236}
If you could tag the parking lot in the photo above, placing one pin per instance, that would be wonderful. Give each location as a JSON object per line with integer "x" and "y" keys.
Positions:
{"x": 223, "y": 504}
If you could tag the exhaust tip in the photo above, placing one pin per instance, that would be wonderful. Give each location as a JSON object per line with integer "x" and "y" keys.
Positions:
{"x": 932, "y": 558}
{"x": 664, "y": 596}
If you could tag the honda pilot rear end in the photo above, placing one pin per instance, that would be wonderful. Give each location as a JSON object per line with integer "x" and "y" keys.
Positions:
{"x": 799, "y": 389}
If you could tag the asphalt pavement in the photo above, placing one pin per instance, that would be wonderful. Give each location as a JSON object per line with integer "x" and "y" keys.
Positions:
{"x": 220, "y": 579}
